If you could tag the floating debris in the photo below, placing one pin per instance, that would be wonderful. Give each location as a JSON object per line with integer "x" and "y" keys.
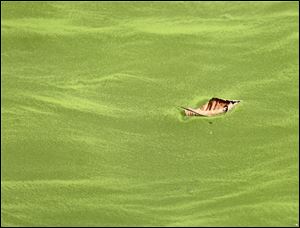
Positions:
{"x": 213, "y": 107}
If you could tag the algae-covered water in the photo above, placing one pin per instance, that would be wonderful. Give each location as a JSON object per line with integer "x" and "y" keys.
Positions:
{"x": 91, "y": 131}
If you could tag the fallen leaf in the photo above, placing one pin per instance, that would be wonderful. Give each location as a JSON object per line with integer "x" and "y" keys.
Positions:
{"x": 213, "y": 107}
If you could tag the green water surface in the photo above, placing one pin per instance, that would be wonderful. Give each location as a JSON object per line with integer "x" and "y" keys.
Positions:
{"x": 91, "y": 132}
